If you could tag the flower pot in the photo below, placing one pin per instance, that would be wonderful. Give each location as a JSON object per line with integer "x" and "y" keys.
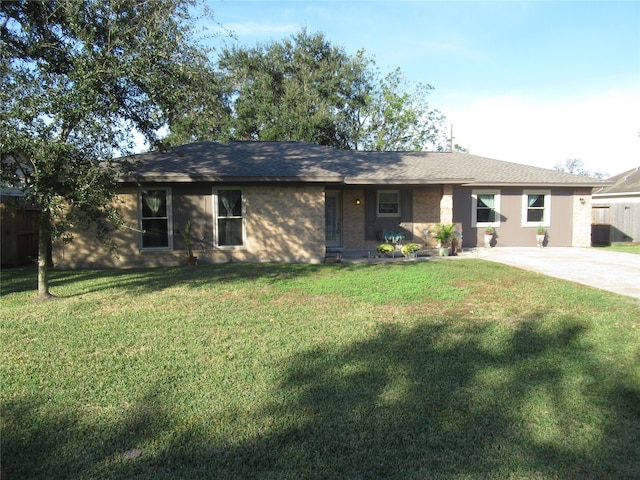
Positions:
{"x": 487, "y": 240}
{"x": 192, "y": 261}
{"x": 444, "y": 251}
{"x": 540, "y": 239}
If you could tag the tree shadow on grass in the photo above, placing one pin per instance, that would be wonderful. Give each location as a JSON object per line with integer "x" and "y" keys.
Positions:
{"x": 152, "y": 279}
{"x": 434, "y": 401}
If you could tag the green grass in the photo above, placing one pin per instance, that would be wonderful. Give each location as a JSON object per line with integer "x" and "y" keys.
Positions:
{"x": 409, "y": 370}
{"x": 623, "y": 247}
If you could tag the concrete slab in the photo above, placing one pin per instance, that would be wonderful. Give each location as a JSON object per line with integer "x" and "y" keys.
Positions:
{"x": 612, "y": 271}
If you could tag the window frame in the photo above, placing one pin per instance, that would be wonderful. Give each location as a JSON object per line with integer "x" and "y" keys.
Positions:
{"x": 394, "y": 214}
{"x": 497, "y": 197}
{"x": 169, "y": 219}
{"x": 546, "y": 210}
{"x": 216, "y": 217}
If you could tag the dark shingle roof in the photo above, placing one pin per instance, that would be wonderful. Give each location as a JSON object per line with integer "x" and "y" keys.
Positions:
{"x": 293, "y": 161}
{"x": 624, "y": 183}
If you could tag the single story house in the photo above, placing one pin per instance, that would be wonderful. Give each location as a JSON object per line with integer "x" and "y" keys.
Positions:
{"x": 293, "y": 202}
{"x": 616, "y": 209}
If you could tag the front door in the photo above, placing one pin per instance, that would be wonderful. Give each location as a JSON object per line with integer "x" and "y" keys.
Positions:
{"x": 333, "y": 219}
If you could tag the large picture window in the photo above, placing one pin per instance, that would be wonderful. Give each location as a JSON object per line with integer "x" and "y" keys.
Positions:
{"x": 388, "y": 203}
{"x": 229, "y": 218}
{"x": 536, "y": 208}
{"x": 155, "y": 218}
{"x": 485, "y": 208}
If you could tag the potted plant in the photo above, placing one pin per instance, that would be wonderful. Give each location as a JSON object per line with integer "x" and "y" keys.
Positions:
{"x": 409, "y": 250}
{"x": 489, "y": 232}
{"x": 188, "y": 242}
{"x": 444, "y": 234}
{"x": 385, "y": 249}
{"x": 540, "y": 236}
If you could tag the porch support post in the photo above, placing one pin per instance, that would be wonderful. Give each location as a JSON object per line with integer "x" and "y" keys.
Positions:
{"x": 446, "y": 205}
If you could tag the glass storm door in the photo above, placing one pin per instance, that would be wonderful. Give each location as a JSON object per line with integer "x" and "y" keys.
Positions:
{"x": 333, "y": 219}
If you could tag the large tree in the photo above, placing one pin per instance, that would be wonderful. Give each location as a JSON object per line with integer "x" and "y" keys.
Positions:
{"x": 78, "y": 77}
{"x": 303, "y": 88}
{"x": 299, "y": 89}
{"x": 396, "y": 116}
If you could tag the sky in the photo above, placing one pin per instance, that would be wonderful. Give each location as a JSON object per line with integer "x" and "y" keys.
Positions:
{"x": 532, "y": 82}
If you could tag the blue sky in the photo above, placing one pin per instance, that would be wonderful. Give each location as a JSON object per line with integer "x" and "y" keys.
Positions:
{"x": 533, "y": 82}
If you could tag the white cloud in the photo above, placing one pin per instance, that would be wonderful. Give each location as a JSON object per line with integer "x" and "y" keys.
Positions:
{"x": 602, "y": 130}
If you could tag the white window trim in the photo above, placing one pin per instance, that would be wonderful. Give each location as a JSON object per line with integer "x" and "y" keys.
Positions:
{"x": 546, "y": 216}
{"x": 474, "y": 208}
{"x": 215, "y": 220}
{"x": 169, "y": 220}
{"x": 398, "y": 214}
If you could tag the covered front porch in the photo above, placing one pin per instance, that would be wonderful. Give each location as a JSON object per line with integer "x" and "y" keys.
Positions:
{"x": 356, "y": 217}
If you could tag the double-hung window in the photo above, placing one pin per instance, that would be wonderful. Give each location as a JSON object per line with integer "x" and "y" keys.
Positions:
{"x": 388, "y": 203}
{"x": 485, "y": 206}
{"x": 155, "y": 218}
{"x": 536, "y": 208}
{"x": 229, "y": 218}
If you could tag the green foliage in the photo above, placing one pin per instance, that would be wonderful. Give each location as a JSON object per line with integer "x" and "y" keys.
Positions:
{"x": 397, "y": 117}
{"x": 188, "y": 240}
{"x": 77, "y": 77}
{"x": 385, "y": 248}
{"x": 303, "y": 88}
{"x": 461, "y": 369}
{"x": 444, "y": 233}
{"x": 409, "y": 248}
{"x": 299, "y": 89}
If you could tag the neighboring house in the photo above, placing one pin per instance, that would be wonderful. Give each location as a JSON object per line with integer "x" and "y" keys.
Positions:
{"x": 616, "y": 209}
{"x": 279, "y": 201}
{"x": 20, "y": 221}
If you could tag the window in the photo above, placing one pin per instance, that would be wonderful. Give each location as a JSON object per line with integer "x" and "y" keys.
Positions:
{"x": 485, "y": 206}
{"x": 536, "y": 208}
{"x": 388, "y": 203}
{"x": 155, "y": 218}
{"x": 229, "y": 218}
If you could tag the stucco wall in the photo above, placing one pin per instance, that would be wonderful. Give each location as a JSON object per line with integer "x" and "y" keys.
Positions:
{"x": 569, "y": 225}
{"x": 282, "y": 224}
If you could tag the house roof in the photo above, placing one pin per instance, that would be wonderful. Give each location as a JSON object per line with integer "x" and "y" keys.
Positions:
{"x": 306, "y": 162}
{"x": 624, "y": 184}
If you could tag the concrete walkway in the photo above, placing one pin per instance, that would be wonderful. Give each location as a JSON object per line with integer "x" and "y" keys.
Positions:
{"x": 612, "y": 271}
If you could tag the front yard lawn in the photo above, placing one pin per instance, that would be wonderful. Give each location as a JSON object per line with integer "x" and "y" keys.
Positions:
{"x": 623, "y": 247}
{"x": 410, "y": 370}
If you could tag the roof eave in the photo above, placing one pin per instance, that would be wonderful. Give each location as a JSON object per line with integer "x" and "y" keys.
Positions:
{"x": 169, "y": 178}
{"x": 531, "y": 184}
{"x": 617, "y": 194}
{"x": 404, "y": 181}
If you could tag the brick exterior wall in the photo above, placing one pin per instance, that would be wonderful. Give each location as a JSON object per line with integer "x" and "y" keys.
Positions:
{"x": 284, "y": 223}
{"x": 426, "y": 214}
{"x": 353, "y": 220}
{"x": 581, "y": 219}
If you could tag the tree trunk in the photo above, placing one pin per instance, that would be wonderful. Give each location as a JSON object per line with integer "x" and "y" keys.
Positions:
{"x": 44, "y": 237}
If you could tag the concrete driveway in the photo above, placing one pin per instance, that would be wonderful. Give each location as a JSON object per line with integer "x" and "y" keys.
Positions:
{"x": 612, "y": 271}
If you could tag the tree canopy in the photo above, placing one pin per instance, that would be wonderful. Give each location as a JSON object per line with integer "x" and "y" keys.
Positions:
{"x": 78, "y": 76}
{"x": 576, "y": 166}
{"x": 306, "y": 89}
